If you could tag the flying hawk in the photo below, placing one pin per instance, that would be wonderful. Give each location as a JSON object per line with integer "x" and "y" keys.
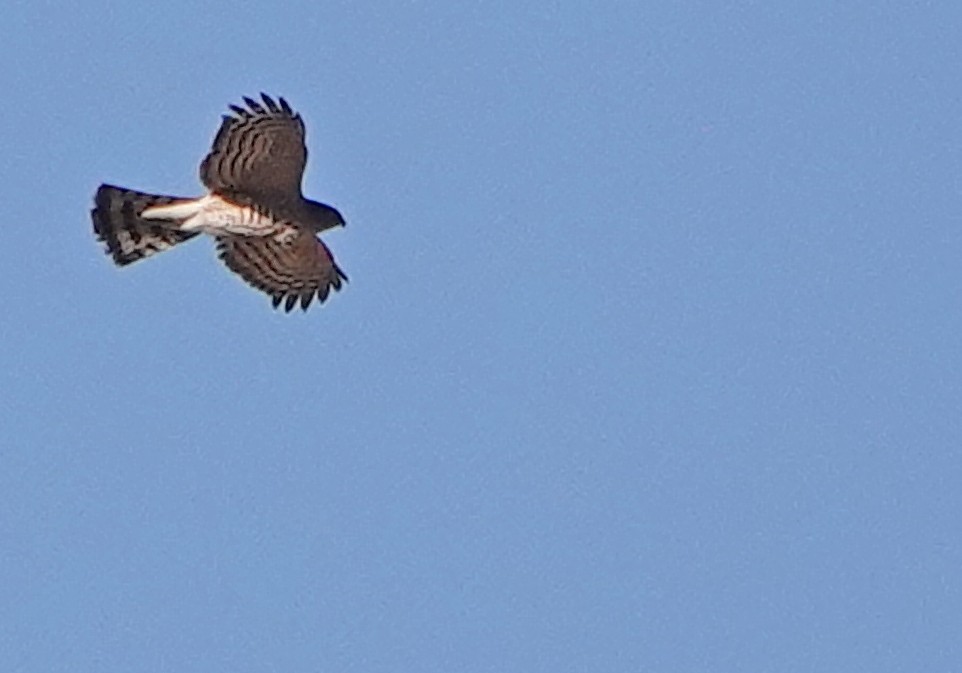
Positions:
{"x": 264, "y": 227}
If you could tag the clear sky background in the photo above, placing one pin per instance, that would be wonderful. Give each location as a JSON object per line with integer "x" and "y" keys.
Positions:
{"x": 650, "y": 359}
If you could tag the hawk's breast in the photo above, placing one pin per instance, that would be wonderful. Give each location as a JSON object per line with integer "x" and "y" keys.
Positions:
{"x": 218, "y": 216}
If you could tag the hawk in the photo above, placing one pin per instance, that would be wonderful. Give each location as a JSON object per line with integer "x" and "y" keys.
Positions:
{"x": 264, "y": 227}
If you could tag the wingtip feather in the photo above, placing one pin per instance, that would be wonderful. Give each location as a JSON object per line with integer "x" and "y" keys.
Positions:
{"x": 269, "y": 102}
{"x": 255, "y": 107}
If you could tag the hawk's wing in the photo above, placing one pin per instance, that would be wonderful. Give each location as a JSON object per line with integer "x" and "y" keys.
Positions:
{"x": 258, "y": 153}
{"x": 292, "y": 271}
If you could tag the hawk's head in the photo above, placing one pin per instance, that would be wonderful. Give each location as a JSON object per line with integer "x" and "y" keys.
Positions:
{"x": 323, "y": 216}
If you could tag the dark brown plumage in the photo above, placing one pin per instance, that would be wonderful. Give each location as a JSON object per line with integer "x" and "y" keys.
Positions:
{"x": 265, "y": 228}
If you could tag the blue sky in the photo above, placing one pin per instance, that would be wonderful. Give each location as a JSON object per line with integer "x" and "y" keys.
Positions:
{"x": 649, "y": 360}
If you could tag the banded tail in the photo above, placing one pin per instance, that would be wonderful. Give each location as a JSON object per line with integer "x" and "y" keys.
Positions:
{"x": 128, "y": 237}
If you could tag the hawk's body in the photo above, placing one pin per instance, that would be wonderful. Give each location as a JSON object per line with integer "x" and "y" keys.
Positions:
{"x": 265, "y": 228}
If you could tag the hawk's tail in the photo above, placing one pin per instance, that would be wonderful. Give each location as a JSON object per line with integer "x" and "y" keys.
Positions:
{"x": 127, "y": 236}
